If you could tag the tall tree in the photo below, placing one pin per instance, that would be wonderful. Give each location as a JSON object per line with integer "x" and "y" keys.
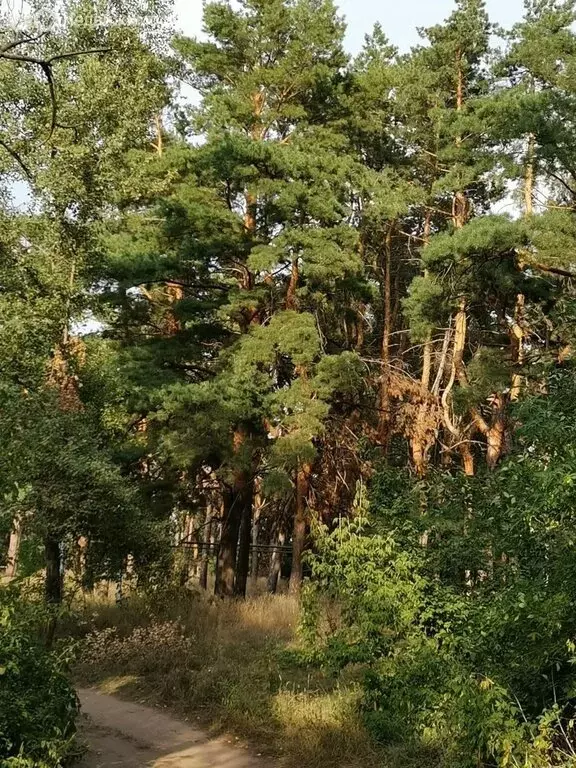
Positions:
{"x": 91, "y": 110}
{"x": 269, "y": 75}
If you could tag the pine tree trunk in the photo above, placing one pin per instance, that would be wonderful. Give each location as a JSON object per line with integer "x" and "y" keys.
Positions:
{"x": 496, "y": 434}
{"x": 13, "y": 548}
{"x": 228, "y": 547}
{"x": 300, "y": 527}
{"x": 184, "y": 537}
{"x": 529, "y": 177}
{"x": 203, "y": 575}
{"x": 237, "y": 503}
{"x": 467, "y": 459}
{"x": 291, "y": 300}
{"x": 243, "y": 563}
{"x": 53, "y": 584}
{"x": 385, "y": 414}
{"x": 255, "y": 533}
{"x": 517, "y": 332}
{"x": 83, "y": 577}
{"x": 420, "y": 442}
{"x": 459, "y": 374}
{"x": 275, "y": 564}
{"x": 517, "y": 342}
{"x": 360, "y": 322}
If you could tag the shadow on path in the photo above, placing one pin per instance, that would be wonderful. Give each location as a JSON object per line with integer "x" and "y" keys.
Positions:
{"x": 121, "y": 733}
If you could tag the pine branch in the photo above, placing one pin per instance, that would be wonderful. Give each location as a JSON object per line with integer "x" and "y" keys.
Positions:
{"x": 555, "y": 270}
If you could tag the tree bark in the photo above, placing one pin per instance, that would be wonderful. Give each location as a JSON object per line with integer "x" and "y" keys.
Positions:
{"x": 291, "y": 299}
{"x": 54, "y": 586}
{"x": 203, "y": 575}
{"x": 420, "y": 442}
{"x": 227, "y": 549}
{"x": 300, "y": 527}
{"x": 385, "y": 414}
{"x": 159, "y": 146}
{"x": 421, "y": 436}
{"x": 459, "y": 374}
{"x": 360, "y": 322}
{"x": 237, "y": 503}
{"x": 255, "y": 532}
{"x": 243, "y": 561}
{"x": 529, "y": 177}
{"x": 467, "y": 459}
{"x": 14, "y": 548}
{"x": 497, "y": 432}
{"x": 517, "y": 342}
{"x": 171, "y": 324}
{"x": 517, "y": 332}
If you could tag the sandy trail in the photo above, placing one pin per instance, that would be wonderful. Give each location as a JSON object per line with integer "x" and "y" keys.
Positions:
{"x": 120, "y": 733}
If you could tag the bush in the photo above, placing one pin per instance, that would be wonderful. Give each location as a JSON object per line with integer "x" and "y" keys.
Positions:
{"x": 474, "y": 663}
{"x": 364, "y": 597}
{"x": 38, "y": 706}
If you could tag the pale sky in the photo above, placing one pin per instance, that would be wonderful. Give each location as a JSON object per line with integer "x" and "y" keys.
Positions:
{"x": 399, "y": 18}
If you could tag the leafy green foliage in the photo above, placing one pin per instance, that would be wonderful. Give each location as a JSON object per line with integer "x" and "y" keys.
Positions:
{"x": 458, "y": 596}
{"x": 38, "y": 706}
{"x": 374, "y": 587}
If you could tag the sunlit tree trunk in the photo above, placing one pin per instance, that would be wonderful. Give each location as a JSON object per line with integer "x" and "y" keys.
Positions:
{"x": 237, "y": 505}
{"x": 14, "y": 548}
{"x": 517, "y": 331}
{"x": 276, "y": 562}
{"x": 255, "y": 535}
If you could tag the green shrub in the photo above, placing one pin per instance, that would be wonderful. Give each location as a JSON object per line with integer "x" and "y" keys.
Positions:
{"x": 472, "y": 663}
{"x": 38, "y": 706}
{"x": 365, "y": 594}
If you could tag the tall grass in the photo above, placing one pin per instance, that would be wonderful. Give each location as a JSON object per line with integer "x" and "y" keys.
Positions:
{"x": 224, "y": 663}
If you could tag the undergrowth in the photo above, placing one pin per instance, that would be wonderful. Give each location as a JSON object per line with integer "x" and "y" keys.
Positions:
{"x": 234, "y": 667}
{"x": 38, "y": 706}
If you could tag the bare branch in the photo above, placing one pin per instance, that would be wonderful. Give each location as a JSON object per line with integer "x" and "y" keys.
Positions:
{"x": 47, "y": 69}
{"x": 15, "y": 156}
{"x": 564, "y": 184}
{"x": 555, "y": 270}
{"x": 22, "y": 41}
{"x": 73, "y": 54}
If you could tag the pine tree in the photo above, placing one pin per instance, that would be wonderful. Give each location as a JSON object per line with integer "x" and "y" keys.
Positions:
{"x": 270, "y": 77}
{"x": 451, "y": 89}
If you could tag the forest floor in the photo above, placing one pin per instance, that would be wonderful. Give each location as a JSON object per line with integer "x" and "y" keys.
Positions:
{"x": 121, "y": 733}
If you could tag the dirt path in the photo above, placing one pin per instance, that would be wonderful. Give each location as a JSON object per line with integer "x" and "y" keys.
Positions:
{"x": 120, "y": 733}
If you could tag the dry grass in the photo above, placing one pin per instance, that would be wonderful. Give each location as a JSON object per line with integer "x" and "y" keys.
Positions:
{"x": 222, "y": 663}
